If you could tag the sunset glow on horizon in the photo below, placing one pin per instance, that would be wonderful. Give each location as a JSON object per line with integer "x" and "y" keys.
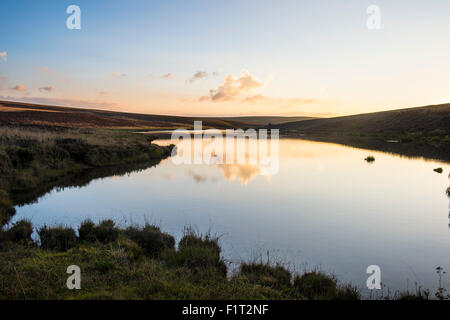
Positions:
{"x": 239, "y": 58}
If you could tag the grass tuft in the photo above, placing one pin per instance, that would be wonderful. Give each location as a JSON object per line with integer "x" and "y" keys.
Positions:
{"x": 20, "y": 232}
{"x": 151, "y": 239}
{"x": 57, "y": 238}
{"x": 200, "y": 254}
{"x": 266, "y": 275}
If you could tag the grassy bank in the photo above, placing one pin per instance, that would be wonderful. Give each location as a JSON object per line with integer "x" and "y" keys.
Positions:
{"x": 142, "y": 263}
{"x": 31, "y": 157}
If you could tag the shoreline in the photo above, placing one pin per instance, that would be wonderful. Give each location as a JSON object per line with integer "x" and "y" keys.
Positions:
{"x": 146, "y": 263}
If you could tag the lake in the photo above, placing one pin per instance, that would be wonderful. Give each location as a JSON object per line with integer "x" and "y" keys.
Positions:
{"x": 325, "y": 208}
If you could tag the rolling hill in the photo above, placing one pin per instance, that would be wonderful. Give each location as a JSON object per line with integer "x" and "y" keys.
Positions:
{"x": 435, "y": 118}
{"x": 18, "y": 113}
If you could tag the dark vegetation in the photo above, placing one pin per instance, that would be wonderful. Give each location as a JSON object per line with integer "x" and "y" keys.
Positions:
{"x": 417, "y": 132}
{"x": 142, "y": 263}
{"x": 266, "y": 120}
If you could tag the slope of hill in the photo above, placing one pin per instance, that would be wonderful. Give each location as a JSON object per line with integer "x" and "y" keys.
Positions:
{"x": 18, "y": 113}
{"x": 414, "y": 132}
{"x": 427, "y": 119}
{"x": 266, "y": 120}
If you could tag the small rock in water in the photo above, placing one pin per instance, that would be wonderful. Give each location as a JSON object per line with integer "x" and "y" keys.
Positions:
{"x": 370, "y": 159}
{"x": 438, "y": 170}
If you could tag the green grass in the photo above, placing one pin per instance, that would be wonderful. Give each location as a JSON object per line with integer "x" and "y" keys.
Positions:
{"x": 143, "y": 263}
{"x": 125, "y": 268}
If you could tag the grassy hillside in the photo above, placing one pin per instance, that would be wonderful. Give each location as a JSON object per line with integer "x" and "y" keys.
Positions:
{"x": 427, "y": 119}
{"x": 414, "y": 132}
{"x": 15, "y": 113}
{"x": 34, "y": 114}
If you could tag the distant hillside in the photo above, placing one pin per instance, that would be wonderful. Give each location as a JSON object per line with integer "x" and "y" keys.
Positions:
{"x": 435, "y": 118}
{"x": 413, "y": 132}
{"x": 18, "y": 113}
{"x": 266, "y": 120}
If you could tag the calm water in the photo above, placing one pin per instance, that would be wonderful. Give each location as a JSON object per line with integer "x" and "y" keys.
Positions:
{"x": 326, "y": 208}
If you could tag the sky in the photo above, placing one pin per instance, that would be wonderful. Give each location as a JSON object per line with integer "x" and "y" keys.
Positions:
{"x": 227, "y": 58}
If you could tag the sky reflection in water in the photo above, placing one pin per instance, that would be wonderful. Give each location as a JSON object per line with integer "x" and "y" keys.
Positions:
{"x": 326, "y": 207}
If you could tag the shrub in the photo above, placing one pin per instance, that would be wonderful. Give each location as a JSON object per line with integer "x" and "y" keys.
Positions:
{"x": 57, "y": 238}
{"x": 86, "y": 231}
{"x": 201, "y": 255}
{"x": 151, "y": 239}
{"x": 266, "y": 275}
{"x": 20, "y": 231}
{"x": 130, "y": 249}
{"x": 316, "y": 285}
{"x": 106, "y": 231}
{"x": 192, "y": 240}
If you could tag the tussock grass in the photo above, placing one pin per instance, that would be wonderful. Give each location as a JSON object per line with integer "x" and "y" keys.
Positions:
{"x": 19, "y": 232}
{"x": 124, "y": 268}
{"x": 151, "y": 239}
{"x": 200, "y": 254}
{"x": 57, "y": 238}
{"x": 264, "y": 274}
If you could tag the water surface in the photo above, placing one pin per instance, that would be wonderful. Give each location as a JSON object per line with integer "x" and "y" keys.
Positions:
{"x": 326, "y": 208}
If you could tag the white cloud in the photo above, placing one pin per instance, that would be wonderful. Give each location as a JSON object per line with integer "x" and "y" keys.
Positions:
{"x": 167, "y": 76}
{"x": 239, "y": 89}
{"x": 233, "y": 87}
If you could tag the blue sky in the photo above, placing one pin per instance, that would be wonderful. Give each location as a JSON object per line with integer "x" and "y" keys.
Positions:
{"x": 300, "y": 57}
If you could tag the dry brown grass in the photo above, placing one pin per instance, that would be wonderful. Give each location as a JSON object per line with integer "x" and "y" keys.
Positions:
{"x": 100, "y": 137}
